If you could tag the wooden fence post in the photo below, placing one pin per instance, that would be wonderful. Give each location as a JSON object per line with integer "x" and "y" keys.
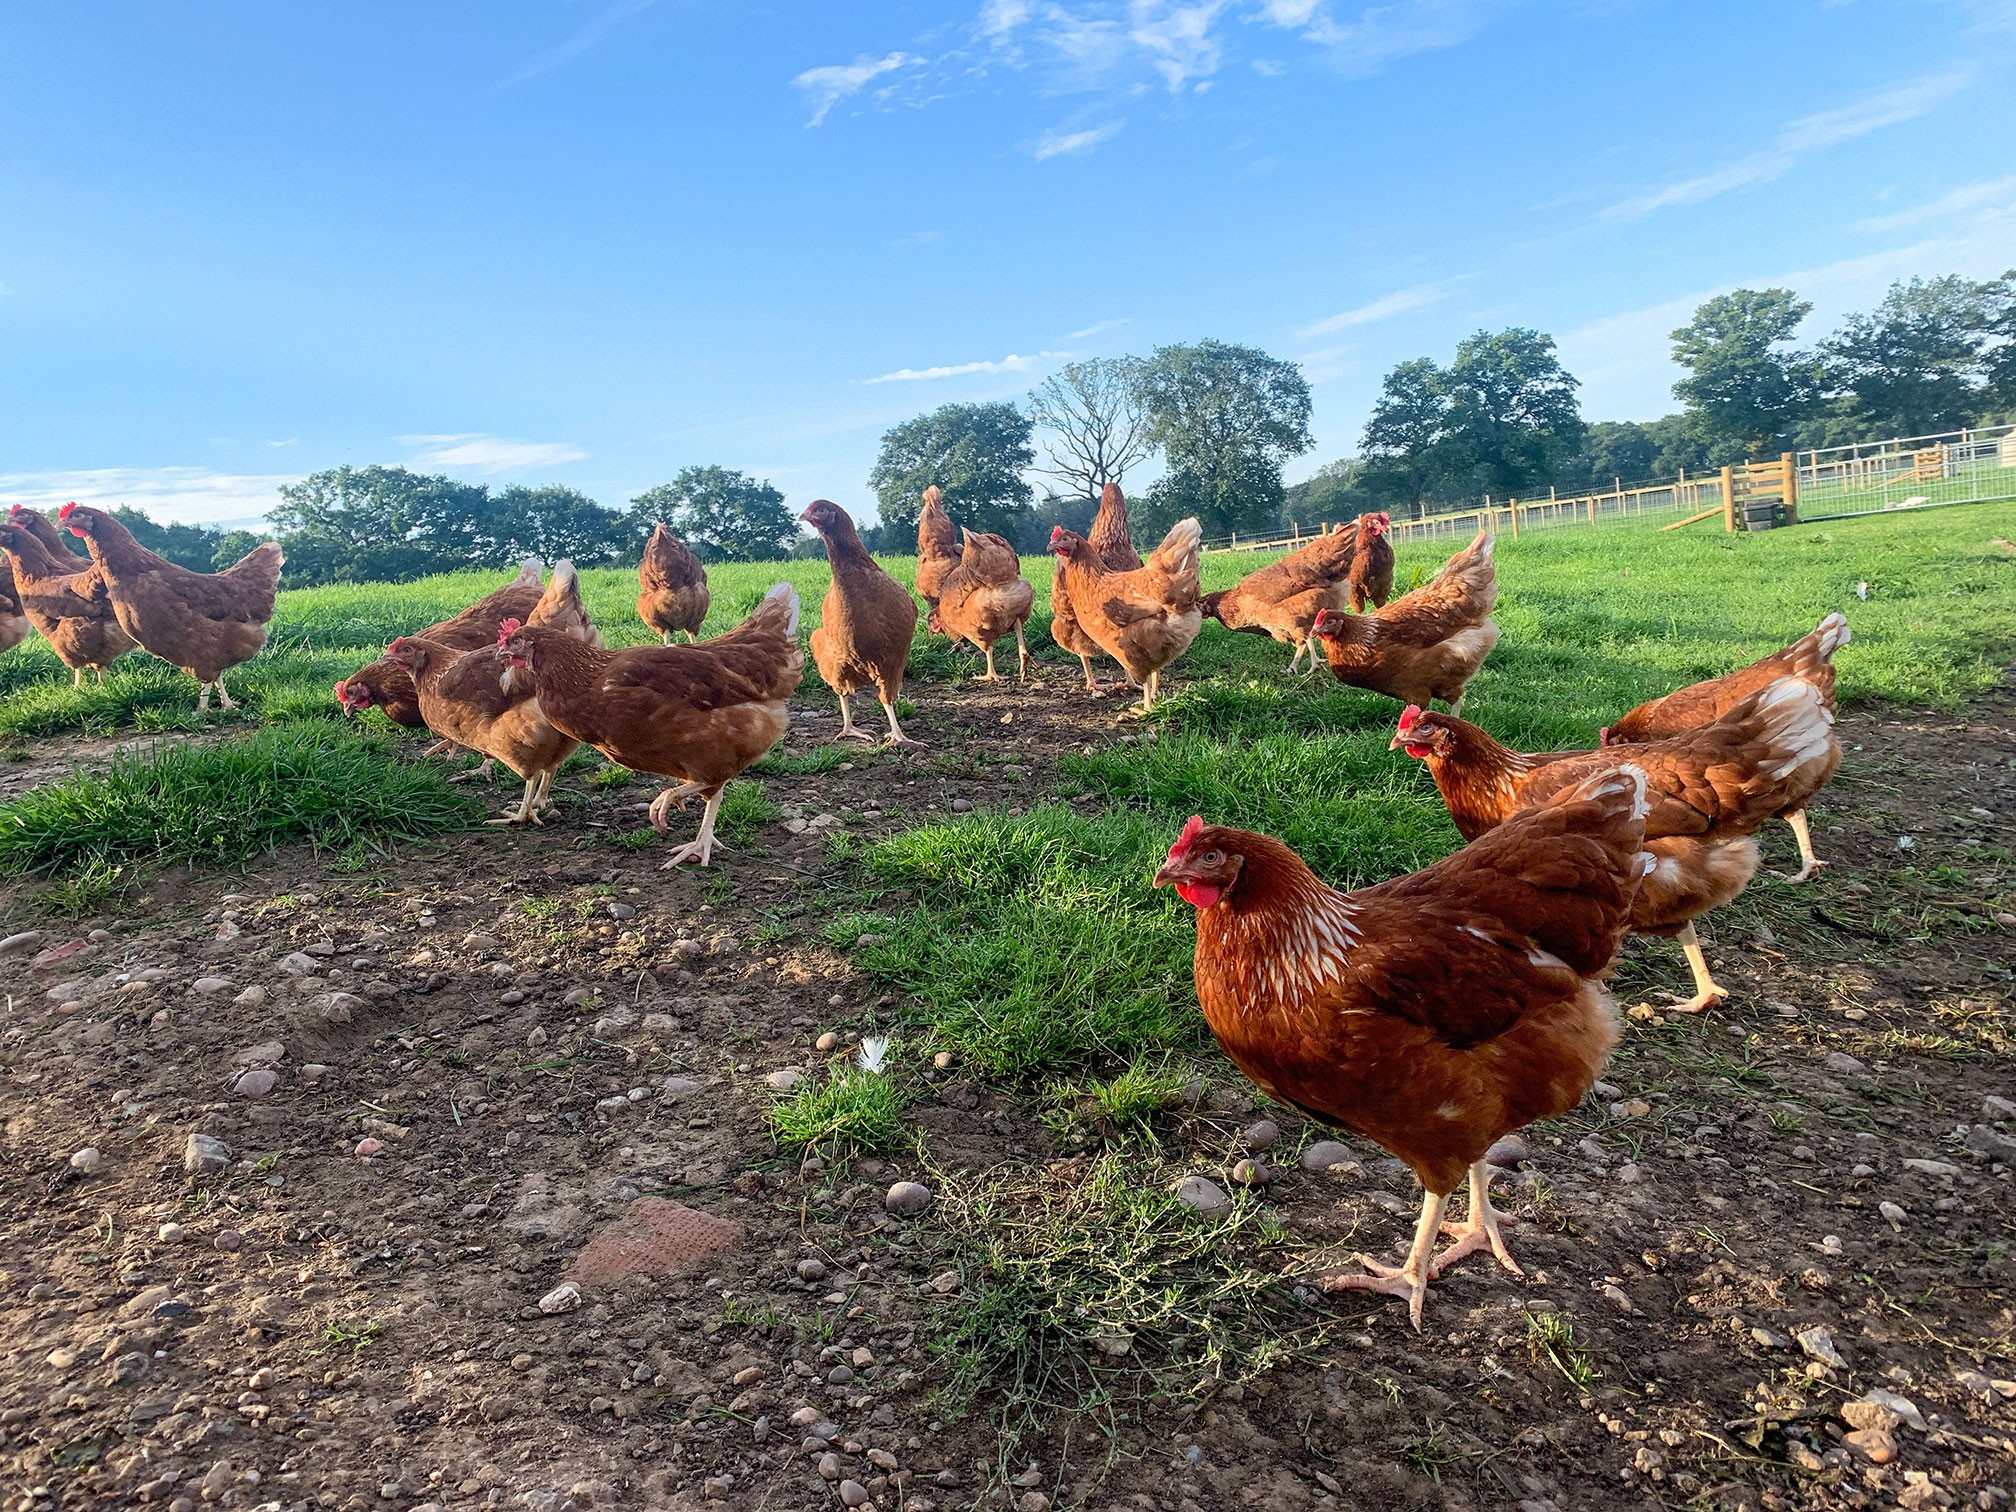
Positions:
{"x": 1512, "y": 507}
{"x": 1791, "y": 461}
{"x": 1729, "y": 499}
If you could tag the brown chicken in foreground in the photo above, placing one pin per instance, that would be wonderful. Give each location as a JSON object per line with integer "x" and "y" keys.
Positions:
{"x": 866, "y": 623}
{"x": 1113, "y": 542}
{"x": 699, "y": 713}
{"x": 1810, "y": 657}
{"x": 1284, "y": 598}
{"x": 470, "y": 698}
{"x": 1143, "y": 619}
{"x": 386, "y": 685}
{"x": 1711, "y": 789}
{"x": 1427, "y": 644}
{"x": 984, "y": 599}
{"x": 672, "y": 594}
{"x": 1433, "y": 1013}
{"x": 1372, "y": 564}
{"x": 938, "y": 553}
{"x": 202, "y": 622}
{"x": 62, "y": 596}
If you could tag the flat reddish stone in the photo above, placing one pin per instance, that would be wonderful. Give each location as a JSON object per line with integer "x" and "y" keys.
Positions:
{"x": 655, "y": 1237}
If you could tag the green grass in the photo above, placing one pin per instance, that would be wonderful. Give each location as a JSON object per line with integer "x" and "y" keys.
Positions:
{"x": 222, "y": 804}
{"x": 850, "y": 1111}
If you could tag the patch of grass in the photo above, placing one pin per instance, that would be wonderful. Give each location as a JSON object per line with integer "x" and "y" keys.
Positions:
{"x": 812, "y": 763}
{"x": 1089, "y": 1291}
{"x": 357, "y": 1333}
{"x": 1551, "y": 1337}
{"x": 745, "y": 809}
{"x": 1035, "y": 944}
{"x": 1132, "y": 1103}
{"x": 84, "y": 889}
{"x": 220, "y": 804}
{"x": 851, "y": 1111}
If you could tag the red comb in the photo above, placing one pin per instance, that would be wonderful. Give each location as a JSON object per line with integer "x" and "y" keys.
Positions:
{"x": 508, "y": 628}
{"x": 341, "y": 684}
{"x": 64, "y": 512}
{"x": 1188, "y": 838}
{"x": 1409, "y": 717}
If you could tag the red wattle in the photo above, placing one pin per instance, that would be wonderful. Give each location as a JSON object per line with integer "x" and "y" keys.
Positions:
{"x": 1199, "y": 894}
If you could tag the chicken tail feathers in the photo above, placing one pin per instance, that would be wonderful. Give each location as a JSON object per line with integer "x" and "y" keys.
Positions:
{"x": 560, "y": 607}
{"x": 1181, "y": 550}
{"x": 785, "y": 598}
{"x": 1796, "y": 726}
{"x": 1817, "y": 649}
{"x": 530, "y": 571}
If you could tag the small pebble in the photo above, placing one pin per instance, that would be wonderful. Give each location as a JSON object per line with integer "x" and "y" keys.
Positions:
{"x": 367, "y": 1147}
{"x": 907, "y": 1197}
{"x": 827, "y": 1042}
{"x": 785, "y": 1080}
{"x": 170, "y": 1233}
{"x": 230, "y": 1241}
{"x": 563, "y": 1298}
{"x": 86, "y": 1160}
{"x": 853, "y": 1494}
{"x": 1202, "y": 1195}
{"x": 1261, "y": 1135}
{"x": 810, "y": 1269}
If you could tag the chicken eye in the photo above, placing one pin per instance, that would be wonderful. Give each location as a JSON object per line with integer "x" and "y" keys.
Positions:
{"x": 1214, "y": 858}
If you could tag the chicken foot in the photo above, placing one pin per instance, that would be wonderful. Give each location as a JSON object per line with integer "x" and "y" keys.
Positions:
{"x": 1021, "y": 656}
{"x": 848, "y": 729}
{"x": 896, "y": 737}
{"x": 662, "y": 804}
{"x": 701, "y": 847}
{"x": 1480, "y": 1231}
{"x": 1409, "y": 1280}
{"x": 225, "y": 702}
{"x": 475, "y": 773}
{"x": 1802, "y": 831}
{"x": 1707, "y": 992}
{"x": 528, "y": 805}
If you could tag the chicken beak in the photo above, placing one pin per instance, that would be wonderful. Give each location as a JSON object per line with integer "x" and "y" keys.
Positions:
{"x": 1396, "y": 743}
{"x": 1170, "y": 874}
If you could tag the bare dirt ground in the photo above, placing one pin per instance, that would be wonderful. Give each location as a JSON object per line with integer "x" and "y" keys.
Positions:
{"x": 449, "y": 1083}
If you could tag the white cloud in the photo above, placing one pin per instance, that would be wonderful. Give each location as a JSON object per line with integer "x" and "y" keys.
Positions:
{"x": 1058, "y": 143}
{"x": 1096, "y": 328}
{"x": 917, "y": 239}
{"x": 1000, "y": 17}
{"x": 1178, "y": 40}
{"x": 189, "y": 495}
{"x": 1399, "y": 302}
{"x": 1009, "y": 364}
{"x": 828, "y": 86}
{"x": 290, "y": 441}
{"x": 1990, "y": 194}
{"x": 1808, "y": 134}
{"x": 611, "y": 17}
{"x": 475, "y": 452}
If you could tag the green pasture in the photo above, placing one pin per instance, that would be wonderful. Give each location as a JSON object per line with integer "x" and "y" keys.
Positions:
{"x": 1032, "y": 943}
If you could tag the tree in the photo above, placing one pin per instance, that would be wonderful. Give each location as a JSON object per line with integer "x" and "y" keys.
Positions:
{"x": 1404, "y": 440}
{"x": 1513, "y": 415}
{"x": 1227, "y": 418}
{"x": 1915, "y": 365}
{"x": 975, "y": 453}
{"x": 724, "y": 515}
{"x": 379, "y": 524}
{"x": 1093, "y": 417}
{"x": 1334, "y": 493}
{"x": 1743, "y": 394}
{"x": 232, "y": 547}
{"x": 552, "y": 523}
{"x": 1999, "y": 366}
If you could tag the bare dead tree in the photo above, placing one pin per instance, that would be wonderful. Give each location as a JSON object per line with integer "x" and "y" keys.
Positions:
{"x": 1094, "y": 429}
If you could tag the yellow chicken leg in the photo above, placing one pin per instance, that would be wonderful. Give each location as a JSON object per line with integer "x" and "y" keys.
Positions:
{"x": 1480, "y": 1231}
{"x": 1802, "y": 831}
{"x": 1707, "y": 993}
{"x": 1409, "y": 1280}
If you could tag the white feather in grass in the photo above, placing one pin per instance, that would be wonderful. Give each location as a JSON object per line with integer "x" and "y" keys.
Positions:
{"x": 874, "y": 1053}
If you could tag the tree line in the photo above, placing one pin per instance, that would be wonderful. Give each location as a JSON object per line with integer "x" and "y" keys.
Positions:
{"x": 1502, "y": 418}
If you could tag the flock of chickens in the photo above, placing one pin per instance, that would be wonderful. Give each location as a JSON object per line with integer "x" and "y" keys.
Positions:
{"x": 1432, "y": 1014}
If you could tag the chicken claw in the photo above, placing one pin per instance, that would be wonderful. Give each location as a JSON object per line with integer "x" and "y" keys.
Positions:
{"x": 1480, "y": 1231}
{"x": 701, "y": 847}
{"x": 1809, "y": 864}
{"x": 664, "y": 802}
{"x": 896, "y": 737}
{"x": 1707, "y": 991}
{"x": 1409, "y": 1280}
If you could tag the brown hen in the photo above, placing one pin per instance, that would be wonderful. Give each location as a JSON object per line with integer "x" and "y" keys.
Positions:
{"x": 63, "y": 596}
{"x": 1433, "y": 1013}
{"x": 1143, "y": 619}
{"x": 202, "y": 622}
{"x": 1284, "y": 598}
{"x": 985, "y": 598}
{"x": 1372, "y": 565}
{"x": 937, "y": 547}
{"x": 386, "y": 686}
{"x": 1425, "y": 645}
{"x": 866, "y": 623}
{"x": 672, "y": 594}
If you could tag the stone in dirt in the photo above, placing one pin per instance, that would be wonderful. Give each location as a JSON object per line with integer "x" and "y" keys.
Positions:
{"x": 907, "y": 1197}
{"x": 1507, "y": 1153}
{"x": 1262, "y": 1134}
{"x": 1818, "y": 1342}
{"x": 1202, "y": 1195}
{"x": 1324, "y": 1154}
{"x": 205, "y": 1154}
{"x": 563, "y": 1298}
{"x": 785, "y": 1080}
{"x": 1895, "y": 1407}
{"x": 656, "y": 1237}
{"x": 27, "y": 939}
{"x": 255, "y": 1081}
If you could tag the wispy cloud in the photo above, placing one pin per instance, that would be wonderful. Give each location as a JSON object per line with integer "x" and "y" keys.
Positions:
{"x": 476, "y": 452}
{"x": 1800, "y": 138}
{"x": 1990, "y": 194}
{"x": 191, "y": 495}
{"x": 1060, "y": 143}
{"x": 1385, "y": 307}
{"x": 1009, "y": 364}
{"x": 828, "y": 86}
{"x": 1178, "y": 40}
{"x": 611, "y": 17}
{"x": 1380, "y": 34}
{"x": 1098, "y": 327}
{"x": 290, "y": 441}
{"x": 917, "y": 239}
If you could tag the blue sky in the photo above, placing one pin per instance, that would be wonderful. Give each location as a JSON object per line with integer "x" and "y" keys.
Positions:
{"x": 592, "y": 241}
